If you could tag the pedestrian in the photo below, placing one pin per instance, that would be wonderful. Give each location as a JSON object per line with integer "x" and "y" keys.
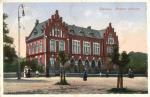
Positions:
{"x": 25, "y": 71}
{"x": 37, "y": 73}
{"x": 85, "y": 75}
{"x": 29, "y": 72}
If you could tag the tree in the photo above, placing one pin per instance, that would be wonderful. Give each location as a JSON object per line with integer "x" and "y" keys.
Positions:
{"x": 62, "y": 58}
{"x": 123, "y": 62}
{"x": 9, "y": 50}
{"x": 33, "y": 64}
{"x": 120, "y": 60}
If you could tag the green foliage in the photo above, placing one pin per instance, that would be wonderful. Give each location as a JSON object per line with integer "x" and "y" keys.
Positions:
{"x": 5, "y": 29}
{"x": 9, "y": 51}
{"x": 33, "y": 64}
{"x": 9, "y": 54}
{"x": 124, "y": 59}
{"x": 138, "y": 62}
{"x": 40, "y": 68}
{"x": 115, "y": 55}
{"x": 10, "y": 67}
{"x": 62, "y": 57}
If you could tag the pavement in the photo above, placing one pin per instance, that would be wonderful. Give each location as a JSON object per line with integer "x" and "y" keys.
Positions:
{"x": 93, "y": 85}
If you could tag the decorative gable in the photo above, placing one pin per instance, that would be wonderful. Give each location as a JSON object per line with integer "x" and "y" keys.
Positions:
{"x": 55, "y": 26}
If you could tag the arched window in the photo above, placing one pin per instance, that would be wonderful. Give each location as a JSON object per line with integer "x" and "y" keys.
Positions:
{"x": 87, "y": 64}
{"x": 99, "y": 64}
{"x": 93, "y": 64}
{"x": 72, "y": 62}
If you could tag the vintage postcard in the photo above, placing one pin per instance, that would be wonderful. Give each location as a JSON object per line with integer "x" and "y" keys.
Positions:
{"x": 72, "y": 48}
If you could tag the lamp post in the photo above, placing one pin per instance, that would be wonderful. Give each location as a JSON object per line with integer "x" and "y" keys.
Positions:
{"x": 20, "y": 7}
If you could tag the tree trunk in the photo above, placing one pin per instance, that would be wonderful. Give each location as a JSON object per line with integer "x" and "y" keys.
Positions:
{"x": 61, "y": 76}
{"x": 121, "y": 82}
{"x": 118, "y": 81}
{"x": 119, "y": 78}
{"x": 64, "y": 76}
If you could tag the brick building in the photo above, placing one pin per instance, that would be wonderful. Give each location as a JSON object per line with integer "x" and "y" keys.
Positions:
{"x": 85, "y": 46}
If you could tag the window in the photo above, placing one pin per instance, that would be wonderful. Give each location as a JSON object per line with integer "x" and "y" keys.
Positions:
{"x": 35, "y": 32}
{"x": 28, "y": 49}
{"x": 52, "y": 61}
{"x": 52, "y": 45}
{"x": 86, "y": 48}
{"x": 33, "y": 48}
{"x": 61, "y": 45}
{"x": 76, "y": 48}
{"x": 109, "y": 49}
{"x": 56, "y": 32}
{"x": 110, "y": 39}
{"x": 36, "y": 47}
{"x": 53, "y": 32}
{"x": 40, "y": 46}
{"x": 96, "y": 48}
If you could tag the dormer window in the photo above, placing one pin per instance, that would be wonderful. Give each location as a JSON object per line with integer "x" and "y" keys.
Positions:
{"x": 35, "y": 32}
{"x": 72, "y": 31}
{"x": 91, "y": 33}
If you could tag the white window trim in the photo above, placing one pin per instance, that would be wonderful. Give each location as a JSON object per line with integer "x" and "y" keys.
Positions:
{"x": 96, "y": 48}
{"x": 76, "y": 47}
{"x": 60, "y": 45}
{"x": 54, "y": 47}
{"x": 86, "y": 49}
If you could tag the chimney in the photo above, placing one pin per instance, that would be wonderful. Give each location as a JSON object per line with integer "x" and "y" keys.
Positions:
{"x": 89, "y": 27}
{"x": 61, "y": 19}
{"x": 110, "y": 24}
{"x": 37, "y": 22}
{"x": 56, "y": 12}
{"x": 49, "y": 20}
{"x": 112, "y": 29}
{"x": 52, "y": 17}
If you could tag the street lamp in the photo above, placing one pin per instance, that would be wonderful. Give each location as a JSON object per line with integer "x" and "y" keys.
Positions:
{"x": 20, "y": 7}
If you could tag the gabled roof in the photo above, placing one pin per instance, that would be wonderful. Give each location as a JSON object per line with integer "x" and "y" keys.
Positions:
{"x": 73, "y": 30}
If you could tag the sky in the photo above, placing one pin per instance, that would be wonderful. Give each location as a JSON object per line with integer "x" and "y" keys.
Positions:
{"x": 128, "y": 19}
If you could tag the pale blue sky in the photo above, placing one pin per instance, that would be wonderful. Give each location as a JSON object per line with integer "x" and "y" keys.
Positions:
{"x": 130, "y": 25}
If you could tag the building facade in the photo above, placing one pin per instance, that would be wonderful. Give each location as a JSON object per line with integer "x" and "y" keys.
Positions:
{"x": 85, "y": 46}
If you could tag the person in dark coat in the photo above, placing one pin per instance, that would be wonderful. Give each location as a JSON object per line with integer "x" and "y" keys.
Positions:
{"x": 85, "y": 75}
